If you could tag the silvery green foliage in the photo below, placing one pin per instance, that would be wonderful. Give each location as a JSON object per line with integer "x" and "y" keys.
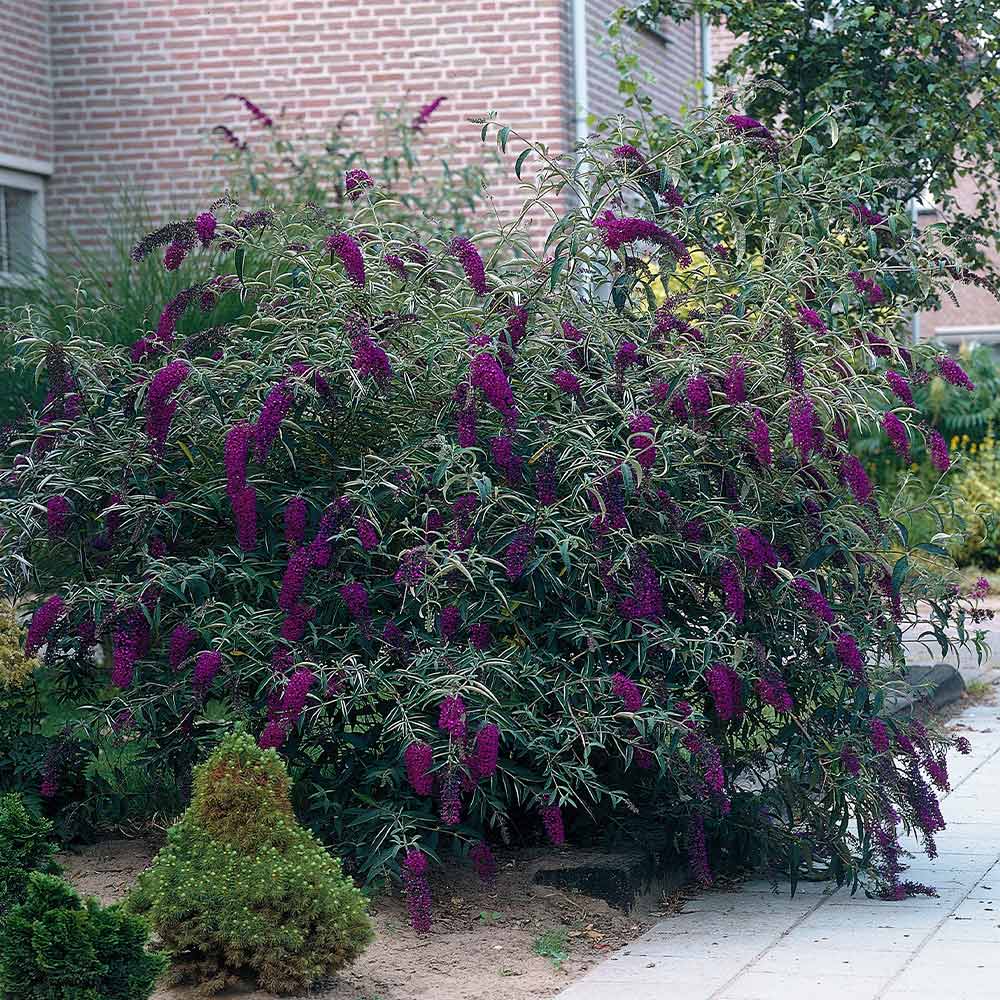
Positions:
{"x": 662, "y": 578}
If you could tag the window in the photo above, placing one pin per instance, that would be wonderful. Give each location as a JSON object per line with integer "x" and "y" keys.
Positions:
{"x": 22, "y": 228}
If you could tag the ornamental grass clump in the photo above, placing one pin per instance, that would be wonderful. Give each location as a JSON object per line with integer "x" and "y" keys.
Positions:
{"x": 243, "y": 890}
{"x": 55, "y": 946}
{"x": 673, "y": 592}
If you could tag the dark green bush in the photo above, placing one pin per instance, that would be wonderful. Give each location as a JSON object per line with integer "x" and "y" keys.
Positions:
{"x": 242, "y": 888}
{"x": 25, "y": 847}
{"x": 57, "y": 946}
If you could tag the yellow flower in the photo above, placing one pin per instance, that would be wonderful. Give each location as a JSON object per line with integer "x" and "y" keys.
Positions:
{"x": 15, "y": 667}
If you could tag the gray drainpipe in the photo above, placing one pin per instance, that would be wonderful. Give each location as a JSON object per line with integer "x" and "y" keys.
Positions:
{"x": 579, "y": 16}
{"x": 705, "y": 40}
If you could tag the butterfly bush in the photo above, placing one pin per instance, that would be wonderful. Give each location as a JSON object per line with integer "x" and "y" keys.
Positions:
{"x": 504, "y": 540}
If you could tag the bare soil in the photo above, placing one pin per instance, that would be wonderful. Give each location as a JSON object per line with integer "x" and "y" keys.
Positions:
{"x": 481, "y": 946}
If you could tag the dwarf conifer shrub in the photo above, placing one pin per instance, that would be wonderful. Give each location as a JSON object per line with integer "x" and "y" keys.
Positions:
{"x": 241, "y": 888}
{"x": 494, "y": 541}
{"x": 26, "y": 846}
{"x": 56, "y": 946}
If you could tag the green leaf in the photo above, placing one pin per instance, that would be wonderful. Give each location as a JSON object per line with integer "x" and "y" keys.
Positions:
{"x": 502, "y": 136}
{"x": 519, "y": 162}
{"x": 238, "y": 259}
{"x": 899, "y": 573}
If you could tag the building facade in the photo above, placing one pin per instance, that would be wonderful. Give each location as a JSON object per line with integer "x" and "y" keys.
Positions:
{"x": 112, "y": 95}
{"x": 100, "y": 97}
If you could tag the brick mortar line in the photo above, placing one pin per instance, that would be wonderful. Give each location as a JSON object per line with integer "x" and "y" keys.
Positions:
{"x": 720, "y": 991}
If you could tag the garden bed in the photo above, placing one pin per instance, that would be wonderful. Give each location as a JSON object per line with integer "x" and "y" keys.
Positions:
{"x": 484, "y": 944}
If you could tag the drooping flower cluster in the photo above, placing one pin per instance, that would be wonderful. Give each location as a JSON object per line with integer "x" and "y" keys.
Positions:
{"x": 42, "y": 623}
{"x": 866, "y": 287}
{"x": 552, "y": 820}
{"x": 206, "y": 666}
{"x": 419, "y": 760}
{"x": 802, "y": 420}
{"x": 773, "y": 692}
{"x": 451, "y": 718}
{"x": 370, "y": 360}
{"x": 160, "y": 408}
{"x": 620, "y": 231}
{"x": 425, "y": 112}
{"x": 356, "y": 181}
{"x": 951, "y": 371}
{"x": 726, "y": 690}
{"x": 285, "y": 712}
{"x": 417, "y": 890}
{"x": 181, "y": 640}
{"x": 347, "y": 249}
{"x": 468, "y": 256}
{"x": 57, "y": 512}
{"x": 628, "y": 691}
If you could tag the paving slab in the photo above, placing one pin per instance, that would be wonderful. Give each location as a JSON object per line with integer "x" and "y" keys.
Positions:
{"x": 757, "y": 944}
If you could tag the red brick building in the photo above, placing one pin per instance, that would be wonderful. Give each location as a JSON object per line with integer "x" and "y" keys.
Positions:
{"x": 97, "y": 96}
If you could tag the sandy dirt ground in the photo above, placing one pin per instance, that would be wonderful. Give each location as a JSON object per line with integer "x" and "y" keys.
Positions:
{"x": 481, "y": 947}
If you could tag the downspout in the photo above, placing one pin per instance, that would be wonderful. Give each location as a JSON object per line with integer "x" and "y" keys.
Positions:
{"x": 915, "y": 318}
{"x": 579, "y": 17}
{"x": 705, "y": 40}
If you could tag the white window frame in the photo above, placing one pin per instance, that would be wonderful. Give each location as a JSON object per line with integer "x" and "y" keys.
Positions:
{"x": 34, "y": 184}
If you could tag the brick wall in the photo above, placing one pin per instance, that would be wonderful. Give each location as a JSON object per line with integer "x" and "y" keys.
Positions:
{"x": 25, "y": 81}
{"x": 977, "y": 307}
{"x": 139, "y": 83}
{"x": 670, "y": 56}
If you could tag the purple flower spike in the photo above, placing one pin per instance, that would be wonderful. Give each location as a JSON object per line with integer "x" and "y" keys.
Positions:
{"x": 940, "y": 458}
{"x": 57, "y": 511}
{"x": 895, "y": 431}
{"x": 900, "y": 387}
{"x": 451, "y": 718}
{"x": 296, "y": 517}
{"x": 853, "y": 475}
{"x": 245, "y": 515}
{"x": 483, "y": 762}
{"x": 625, "y": 688}
{"x": 726, "y": 691}
{"x": 552, "y": 820}
{"x": 367, "y": 534}
{"x": 355, "y": 182}
{"x": 812, "y": 600}
{"x": 181, "y": 640}
{"x": 759, "y": 439}
{"x": 205, "y": 226}
{"x": 951, "y": 371}
{"x": 159, "y": 408}
{"x": 206, "y": 666}
{"x": 617, "y": 232}
{"x": 472, "y": 263}
{"x": 277, "y": 403}
{"x": 850, "y": 656}
{"x": 417, "y": 890}
{"x": 812, "y": 318}
{"x": 424, "y": 114}
{"x": 235, "y": 455}
{"x": 806, "y": 435}
{"x": 419, "y": 760}
{"x": 736, "y": 379}
{"x": 451, "y": 620}
{"x": 349, "y": 253}
{"x": 355, "y": 597}
{"x": 42, "y": 622}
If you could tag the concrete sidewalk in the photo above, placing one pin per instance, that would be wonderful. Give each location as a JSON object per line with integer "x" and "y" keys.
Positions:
{"x": 755, "y": 945}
